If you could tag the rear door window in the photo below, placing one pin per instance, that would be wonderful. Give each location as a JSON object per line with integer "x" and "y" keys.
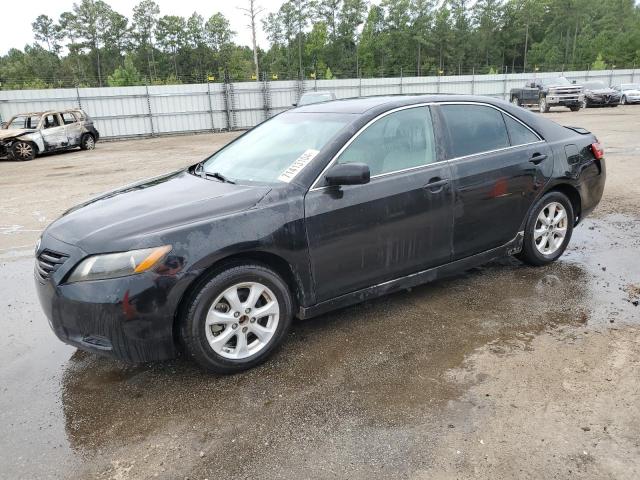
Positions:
{"x": 474, "y": 129}
{"x": 518, "y": 133}
{"x": 68, "y": 118}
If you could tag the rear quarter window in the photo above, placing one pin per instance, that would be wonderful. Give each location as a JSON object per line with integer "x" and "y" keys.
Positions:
{"x": 518, "y": 133}
{"x": 474, "y": 129}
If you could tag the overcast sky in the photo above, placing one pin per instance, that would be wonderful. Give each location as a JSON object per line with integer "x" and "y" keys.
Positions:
{"x": 17, "y": 16}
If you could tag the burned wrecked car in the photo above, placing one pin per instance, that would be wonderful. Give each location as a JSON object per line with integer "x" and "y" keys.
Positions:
{"x": 27, "y": 135}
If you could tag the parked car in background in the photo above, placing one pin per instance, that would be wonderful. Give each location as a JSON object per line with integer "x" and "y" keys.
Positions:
{"x": 597, "y": 94}
{"x": 315, "y": 97}
{"x": 629, "y": 92}
{"x": 315, "y": 209}
{"x": 27, "y": 135}
{"x": 545, "y": 93}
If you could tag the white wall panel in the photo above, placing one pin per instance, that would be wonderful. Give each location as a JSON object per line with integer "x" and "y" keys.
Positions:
{"x": 161, "y": 109}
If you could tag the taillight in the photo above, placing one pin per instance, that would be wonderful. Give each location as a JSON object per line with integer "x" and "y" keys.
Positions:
{"x": 597, "y": 150}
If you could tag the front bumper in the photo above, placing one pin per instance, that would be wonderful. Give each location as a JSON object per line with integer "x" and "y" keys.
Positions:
{"x": 632, "y": 98}
{"x": 128, "y": 318}
{"x": 564, "y": 99}
{"x": 603, "y": 100}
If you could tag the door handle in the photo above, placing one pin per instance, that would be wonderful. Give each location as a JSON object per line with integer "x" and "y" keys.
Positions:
{"x": 537, "y": 158}
{"x": 436, "y": 184}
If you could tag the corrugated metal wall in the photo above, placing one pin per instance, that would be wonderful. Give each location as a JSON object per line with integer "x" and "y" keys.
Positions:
{"x": 121, "y": 112}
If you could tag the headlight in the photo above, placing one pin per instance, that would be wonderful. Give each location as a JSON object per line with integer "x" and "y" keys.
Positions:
{"x": 112, "y": 265}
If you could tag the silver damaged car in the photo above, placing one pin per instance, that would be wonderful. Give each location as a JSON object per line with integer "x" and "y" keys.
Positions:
{"x": 27, "y": 135}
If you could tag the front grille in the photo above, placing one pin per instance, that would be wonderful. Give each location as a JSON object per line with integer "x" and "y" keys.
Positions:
{"x": 566, "y": 90}
{"x": 48, "y": 262}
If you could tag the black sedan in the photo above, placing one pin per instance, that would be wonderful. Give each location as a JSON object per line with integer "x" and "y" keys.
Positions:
{"x": 597, "y": 94}
{"x": 316, "y": 209}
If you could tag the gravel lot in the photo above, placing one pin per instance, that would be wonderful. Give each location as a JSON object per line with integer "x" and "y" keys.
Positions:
{"x": 505, "y": 371}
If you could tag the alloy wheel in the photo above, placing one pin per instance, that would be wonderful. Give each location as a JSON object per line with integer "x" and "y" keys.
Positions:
{"x": 242, "y": 320}
{"x": 23, "y": 150}
{"x": 551, "y": 228}
{"x": 90, "y": 143}
{"x": 543, "y": 105}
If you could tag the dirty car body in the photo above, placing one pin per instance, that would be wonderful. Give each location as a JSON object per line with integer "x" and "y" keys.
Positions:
{"x": 27, "y": 135}
{"x": 426, "y": 205}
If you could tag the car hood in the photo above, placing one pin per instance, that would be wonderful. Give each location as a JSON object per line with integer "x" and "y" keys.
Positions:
{"x": 127, "y": 217}
{"x": 573, "y": 85}
{"x": 12, "y": 132}
{"x": 602, "y": 91}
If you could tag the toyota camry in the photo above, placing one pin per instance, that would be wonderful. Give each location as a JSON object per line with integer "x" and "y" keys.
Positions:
{"x": 315, "y": 209}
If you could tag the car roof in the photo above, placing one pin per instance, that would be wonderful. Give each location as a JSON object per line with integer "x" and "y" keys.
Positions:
{"x": 46, "y": 112}
{"x": 362, "y": 105}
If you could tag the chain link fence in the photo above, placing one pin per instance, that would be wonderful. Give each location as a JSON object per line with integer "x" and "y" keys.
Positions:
{"x": 151, "y": 110}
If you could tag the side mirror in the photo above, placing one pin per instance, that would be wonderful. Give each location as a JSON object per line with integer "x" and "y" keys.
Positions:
{"x": 294, "y": 104}
{"x": 348, "y": 174}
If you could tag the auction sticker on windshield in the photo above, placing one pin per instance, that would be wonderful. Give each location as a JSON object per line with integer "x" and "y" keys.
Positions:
{"x": 298, "y": 164}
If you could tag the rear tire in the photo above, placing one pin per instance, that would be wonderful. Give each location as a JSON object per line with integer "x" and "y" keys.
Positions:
{"x": 237, "y": 318}
{"x": 515, "y": 101}
{"x": 87, "y": 142}
{"x": 23, "y": 151}
{"x": 548, "y": 229}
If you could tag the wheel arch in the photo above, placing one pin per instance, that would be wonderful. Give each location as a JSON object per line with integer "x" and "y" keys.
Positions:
{"x": 275, "y": 262}
{"x": 574, "y": 197}
{"x": 28, "y": 139}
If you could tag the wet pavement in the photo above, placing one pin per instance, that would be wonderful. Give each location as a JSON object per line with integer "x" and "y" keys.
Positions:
{"x": 359, "y": 392}
{"x": 505, "y": 371}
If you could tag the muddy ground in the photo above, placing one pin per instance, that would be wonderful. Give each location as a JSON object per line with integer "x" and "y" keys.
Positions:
{"x": 505, "y": 371}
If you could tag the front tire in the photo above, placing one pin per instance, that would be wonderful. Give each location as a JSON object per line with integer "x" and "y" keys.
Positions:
{"x": 515, "y": 101}
{"x": 23, "y": 151}
{"x": 548, "y": 229}
{"x": 237, "y": 319}
{"x": 543, "y": 106}
{"x": 574, "y": 108}
{"x": 623, "y": 100}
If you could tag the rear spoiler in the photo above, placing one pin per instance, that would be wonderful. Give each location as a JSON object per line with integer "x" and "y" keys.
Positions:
{"x": 580, "y": 130}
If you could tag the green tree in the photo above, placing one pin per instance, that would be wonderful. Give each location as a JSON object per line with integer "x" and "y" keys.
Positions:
{"x": 145, "y": 22}
{"x": 46, "y": 31}
{"x": 599, "y": 63}
{"x": 125, "y": 75}
{"x": 171, "y": 36}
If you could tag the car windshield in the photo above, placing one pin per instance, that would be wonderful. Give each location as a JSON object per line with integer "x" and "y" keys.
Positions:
{"x": 594, "y": 85}
{"x": 24, "y": 121}
{"x": 556, "y": 81}
{"x": 631, "y": 86}
{"x": 308, "y": 98}
{"x": 266, "y": 152}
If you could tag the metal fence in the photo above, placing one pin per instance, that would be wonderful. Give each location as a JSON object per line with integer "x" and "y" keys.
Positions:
{"x": 122, "y": 112}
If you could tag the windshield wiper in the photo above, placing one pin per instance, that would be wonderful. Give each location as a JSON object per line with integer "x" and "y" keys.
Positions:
{"x": 218, "y": 176}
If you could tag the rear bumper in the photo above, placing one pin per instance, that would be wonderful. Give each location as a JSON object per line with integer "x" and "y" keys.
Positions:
{"x": 128, "y": 318}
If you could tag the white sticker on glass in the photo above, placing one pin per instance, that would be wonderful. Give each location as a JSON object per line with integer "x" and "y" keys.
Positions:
{"x": 296, "y": 167}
